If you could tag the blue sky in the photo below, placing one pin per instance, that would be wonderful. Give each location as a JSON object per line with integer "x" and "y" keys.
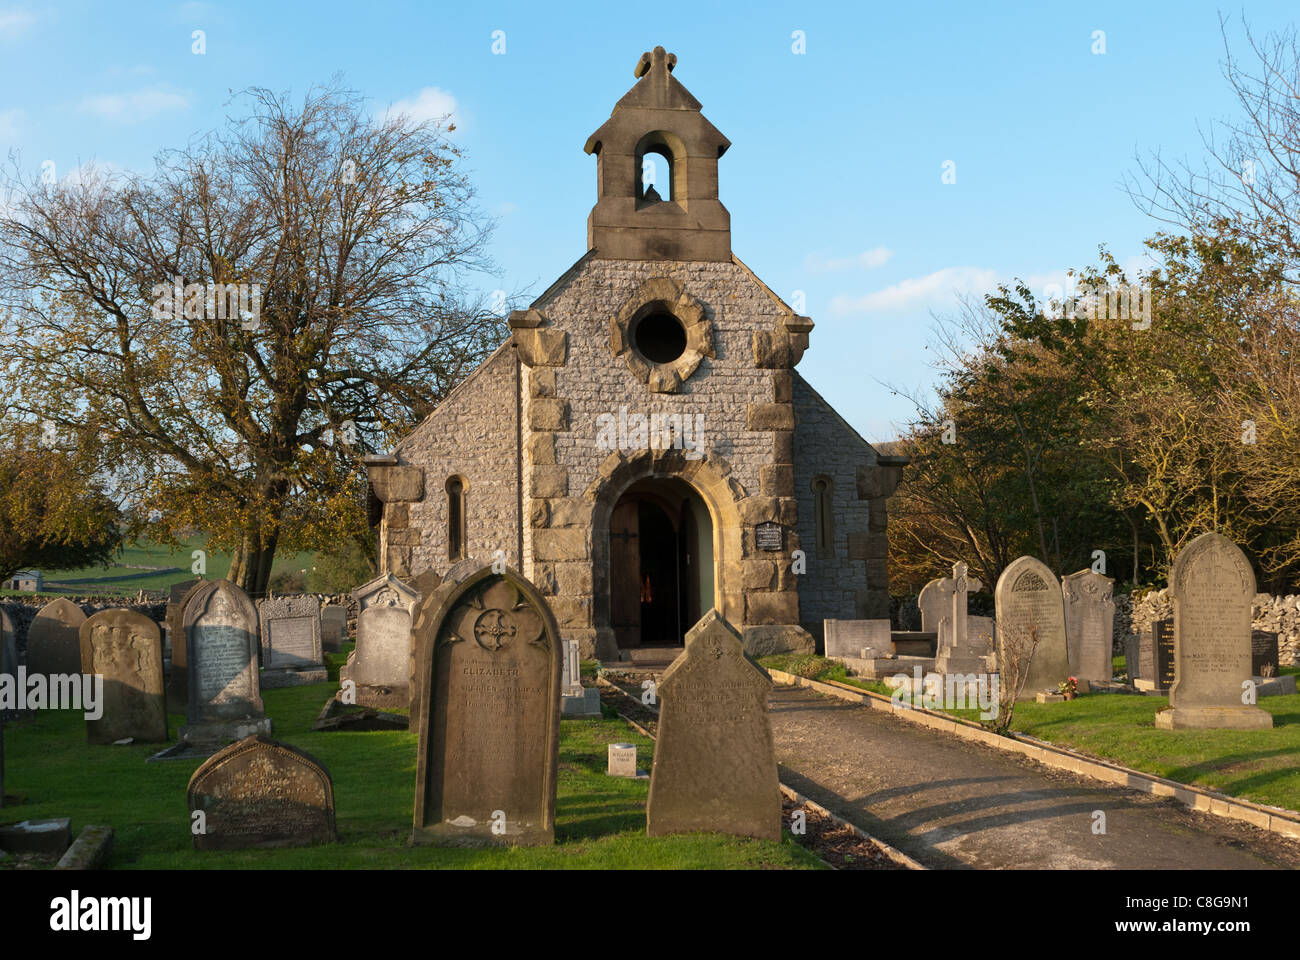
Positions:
{"x": 834, "y": 177}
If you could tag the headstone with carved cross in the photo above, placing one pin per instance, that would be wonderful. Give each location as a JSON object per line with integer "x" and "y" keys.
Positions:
{"x": 960, "y": 651}
{"x": 489, "y": 714}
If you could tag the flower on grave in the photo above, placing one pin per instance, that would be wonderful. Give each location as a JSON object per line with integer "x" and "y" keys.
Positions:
{"x": 1068, "y": 686}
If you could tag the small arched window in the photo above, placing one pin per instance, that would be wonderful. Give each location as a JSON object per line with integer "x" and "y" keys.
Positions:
{"x": 823, "y": 516}
{"x": 455, "y": 518}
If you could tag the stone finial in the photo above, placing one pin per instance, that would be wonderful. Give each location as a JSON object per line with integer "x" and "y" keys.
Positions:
{"x": 652, "y": 59}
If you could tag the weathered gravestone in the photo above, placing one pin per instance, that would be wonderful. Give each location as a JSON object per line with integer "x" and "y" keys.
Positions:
{"x": 178, "y": 682}
{"x": 959, "y": 650}
{"x": 489, "y": 714}
{"x": 1213, "y": 588}
{"x": 225, "y": 690}
{"x": 1263, "y": 653}
{"x": 1089, "y": 624}
{"x": 380, "y": 666}
{"x": 866, "y": 639}
{"x": 935, "y": 601}
{"x": 125, "y": 648}
{"x": 714, "y": 763}
{"x": 333, "y": 628}
{"x": 54, "y": 641}
{"x": 291, "y": 644}
{"x": 261, "y": 793}
{"x": 1029, "y": 605}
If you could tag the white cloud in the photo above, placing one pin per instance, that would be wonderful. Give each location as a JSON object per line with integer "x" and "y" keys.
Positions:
{"x": 15, "y": 22}
{"x": 938, "y": 289}
{"x": 431, "y": 103}
{"x": 867, "y": 260}
{"x": 133, "y": 106}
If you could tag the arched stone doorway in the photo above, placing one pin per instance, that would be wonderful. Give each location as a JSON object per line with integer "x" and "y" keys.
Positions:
{"x": 661, "y": 563}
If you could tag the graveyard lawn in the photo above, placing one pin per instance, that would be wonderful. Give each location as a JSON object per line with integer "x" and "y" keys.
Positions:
{"x": 600, "y": 820}
{"x": 1258, "y": 765}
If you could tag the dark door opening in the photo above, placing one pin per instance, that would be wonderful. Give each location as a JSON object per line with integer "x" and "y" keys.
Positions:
{"x": 661, "y": 564}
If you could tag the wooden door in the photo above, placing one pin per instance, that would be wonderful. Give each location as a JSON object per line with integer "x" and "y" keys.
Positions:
{"x": 625, "y": 574}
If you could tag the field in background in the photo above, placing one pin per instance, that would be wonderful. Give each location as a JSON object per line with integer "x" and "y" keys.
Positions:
{"x": 167, "y": 566}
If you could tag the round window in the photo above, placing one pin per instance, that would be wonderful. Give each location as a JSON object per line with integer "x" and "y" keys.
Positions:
{"x": 659, "y": 337}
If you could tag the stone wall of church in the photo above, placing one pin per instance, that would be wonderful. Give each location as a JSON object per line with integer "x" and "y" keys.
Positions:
{"x": 848, "y": 581}
{"x": 472, "y": 434}
{"x": 582, "y": 379}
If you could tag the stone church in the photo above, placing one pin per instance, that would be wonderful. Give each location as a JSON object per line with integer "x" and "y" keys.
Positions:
{"x": 641, "y": 447}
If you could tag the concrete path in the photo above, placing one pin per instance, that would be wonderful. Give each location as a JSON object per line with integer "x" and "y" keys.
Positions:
{"x": 954, "y": 804}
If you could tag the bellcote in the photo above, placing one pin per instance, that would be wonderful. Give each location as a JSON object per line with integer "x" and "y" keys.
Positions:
{"x": 680, "y": 217}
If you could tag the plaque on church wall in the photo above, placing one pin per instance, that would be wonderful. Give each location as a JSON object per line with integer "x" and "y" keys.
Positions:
{"x": 767, "y": 536}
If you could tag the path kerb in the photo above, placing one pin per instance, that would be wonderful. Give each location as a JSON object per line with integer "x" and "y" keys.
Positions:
{"x": 1273, "y": 819}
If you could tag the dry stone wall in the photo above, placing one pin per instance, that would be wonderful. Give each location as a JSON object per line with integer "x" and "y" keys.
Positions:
{"x": 1280, "y": 615}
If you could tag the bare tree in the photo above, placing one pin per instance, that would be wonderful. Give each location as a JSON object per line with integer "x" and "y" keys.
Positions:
{"x": 238, "y": 327}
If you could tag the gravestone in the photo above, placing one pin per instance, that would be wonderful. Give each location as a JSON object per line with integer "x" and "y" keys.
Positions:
{"x": 53, "y": 639}
{"x": 8, "y": 645}
{"x": 1131, "y": 660}
{"x": 868, "y": 639}
{"x": 621, "y": 760}
{"x": 1028, "y": 600}
{"x": 714, "y": 763}
{"x": 1165, "y": 672}
{"x": 1213, "y": 588}
{"x": 958, "y": 650}
{"x": 489, "y": 714}
{"x": 1263, "y": 652}
{"x": 291, "y": 644}
{"x": 1089, "y": 624}
{"x": 576, "y": 700}
{"x": 259, "y": 792}
{"x": 178, "y": 682}
{"x": 225, "y": 690}
{"x": 1146, "y": 656}
{"x": 333, "y": 628}
{"x": 8, "y": 665}
{"x": 935, "y": 601}
{"x": 125, "y": 648}
{"x": 380, "y": 666}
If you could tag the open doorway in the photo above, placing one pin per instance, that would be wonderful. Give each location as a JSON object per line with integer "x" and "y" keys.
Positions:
{"x": 661, "y": 564}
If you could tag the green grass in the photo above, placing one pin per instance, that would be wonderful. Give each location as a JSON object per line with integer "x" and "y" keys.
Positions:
{"x": 148, "y": 554}
{"x": 1258, "y": 765}
{"x": 600, "y": 820}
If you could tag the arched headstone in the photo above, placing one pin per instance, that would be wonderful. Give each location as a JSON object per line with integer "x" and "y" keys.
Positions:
{"x": 221, "y": 648}
{"x": 489, "y": 714}
{"x": 125, "y": 648}
{"x": 261, "y": 793}
{"x": 1029, "y": 605}
{"x": 1213, "y": 588}
{"x": 53, "y": 639}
